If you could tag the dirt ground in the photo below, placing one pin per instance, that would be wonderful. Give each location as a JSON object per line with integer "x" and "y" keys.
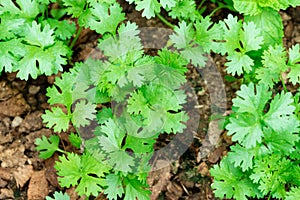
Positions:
{"x": 25, "y": 176}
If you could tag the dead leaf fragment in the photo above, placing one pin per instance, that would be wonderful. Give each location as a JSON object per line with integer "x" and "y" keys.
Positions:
{"x": 216, "y": 155}
{"x": 17, "y": 106}
{"x": 159, "y": 179}
{"x": 5, "y": 173}
{"x": 6, "y": 194}
{"x": 22, "y": 175}
{"x": 203, "y": 169}
{"x": 38, "y": 186}
{"x": 174, "y": 191}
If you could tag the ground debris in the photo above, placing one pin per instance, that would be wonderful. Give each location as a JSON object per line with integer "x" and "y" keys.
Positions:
{"x": 38, "y": 186}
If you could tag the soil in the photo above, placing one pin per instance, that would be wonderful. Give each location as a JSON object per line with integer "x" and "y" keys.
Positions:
{"x": 25, "y": 176}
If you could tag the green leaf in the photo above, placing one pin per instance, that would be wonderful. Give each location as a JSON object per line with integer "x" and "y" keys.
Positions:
{"x": 84, "y": 171}
{"x": 75, "y": 140}
{"x": 105, "y": 18}
{"x": 104, "y": 114}
{"x": 136, "y": 190}
{"x": 9, "y": 26}
{"x": 63, "y": 29}
{"x": 59, "y": 196}
{"x": 293, "y": 194}
{"x": 237, "y": 37}
{"x": 47, "y": 147}
{"x": 114, "y": 187}
{"x": 39, "y": 37}
{"x": 282, "y": 108}
{"x": 254, "y": 7}
{"x": 242, "y": 157}
{"x": 170, "y": 70}
{"x": 239, "y": 63}
{"x": 270, "y": 24}
{"x": 56, "y": 119}
{"x": 74, "y": 8}
{"x": 111, "y": 143}
{"x": 168, "y": 3}
{"x": 83, "y": 113}
{"x": 183, "y": 39}
{"x": 149, "y": 7}
{"x": 274, "y": 62}
{"x": 272, "y": 173}
{"x": 283, "y": 141}
{"x": 207, "y": 33}
{"x": 232, "y": 182}
{"x": 24, "y": 8}
{"x": 293, "y": 64}
{"x": 250, "y": 122}
{"x": 184, "y": 10}
{"x": 10, "y": 53}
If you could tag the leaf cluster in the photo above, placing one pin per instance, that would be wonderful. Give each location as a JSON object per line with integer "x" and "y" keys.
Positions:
{"x": 31, "y": 43}
{"x": 267, "y": 132}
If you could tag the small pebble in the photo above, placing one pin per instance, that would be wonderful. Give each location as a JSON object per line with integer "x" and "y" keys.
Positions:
{"x": 16, "y": 122}
{"x": 34, "y": 89}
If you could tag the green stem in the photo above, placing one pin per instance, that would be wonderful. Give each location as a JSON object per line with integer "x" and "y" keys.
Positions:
{"x": 201, "y": 4}
{"x": 218, "y": 8}
{"x": 165, "y": 21}
{"x": 283, "y": 84}
{"x": 76, "y": 37}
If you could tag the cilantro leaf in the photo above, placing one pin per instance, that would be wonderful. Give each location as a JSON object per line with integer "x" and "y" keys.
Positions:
{"x": 59, "y": 196}
{"x": 237, "y": 44}
{"x": 105, "y": 18}
{"x": 274, "y": 62}
{"x": 183, "y": 38}
{"x": 47, "y": 147}
{"x": 253, "y": 7}
{"x": 75, "y": 140}
{"x": 293, "y": 64}
{"x": 114, "y": 187}
{"x": 74, "y": 8}
{"x": 148, "y": 102}
{"x": 63, "y": 29}
{"x": 9, "y": 26}
{"x": 170, "y": 70}
{"x": 184, "y": 9}
{"x": 149, "y": 7}
{"x": 83, "y": 113}
{"x": 24, "y": 8}
{"x": 232, "y": 182}
{"x": 248, "y": 125}
{"x": 270, "y": 23}
{"x": 294, "y": 193}
{"x": 66, "y": 91}
{"x": 282, "y": 108}
{"x": 282, "y": 141}
{"x": 168, "y": 3}
{"x": 272, "y": 173}
{"x": 135, "y": 189}
{"x": 56, "y": 119}
{"x": 10, "y": 53}
{"x": 39, "y": 37}
{"x": 111, "y": 142}
{"x": 242, "y": 157}
{"x": 207, "y": 33}
{"x": 84, "y": 171}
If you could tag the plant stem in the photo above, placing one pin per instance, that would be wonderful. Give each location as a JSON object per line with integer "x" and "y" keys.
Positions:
{"x": 283, "y": 84}
{"x": 201, "y": 4}
{"x": 165, "y": 21}
{"x": 76, "y": 37}
{"x": 218, "y": 8}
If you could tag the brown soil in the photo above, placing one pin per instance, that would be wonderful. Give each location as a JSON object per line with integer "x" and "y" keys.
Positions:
{"x": 25, "y": 176}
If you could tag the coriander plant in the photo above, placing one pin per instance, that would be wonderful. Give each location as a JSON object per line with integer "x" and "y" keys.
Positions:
{"x": 141, "y": 96}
